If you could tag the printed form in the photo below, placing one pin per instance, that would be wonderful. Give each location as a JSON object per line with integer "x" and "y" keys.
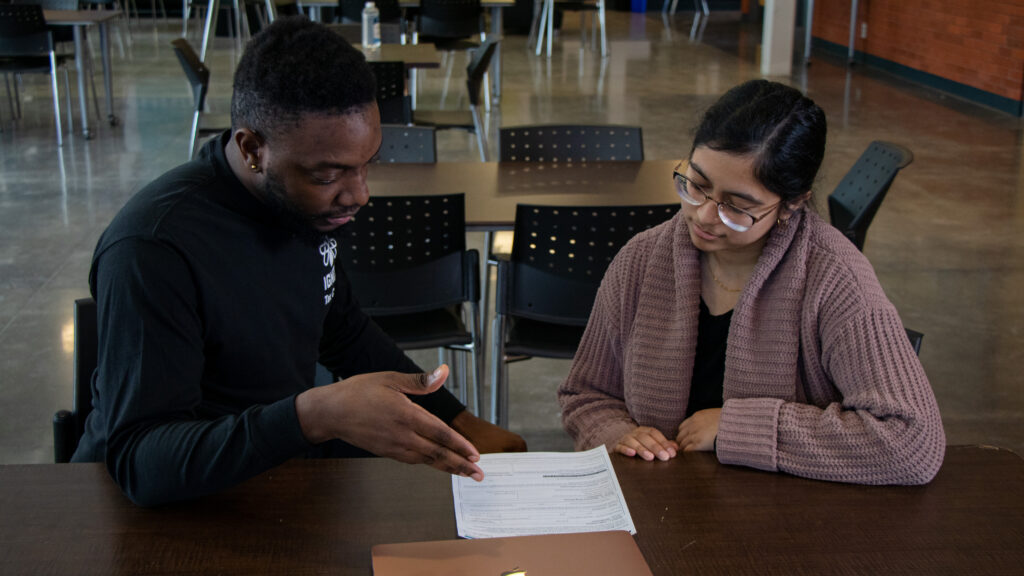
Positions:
{"x": 532, "y": 493}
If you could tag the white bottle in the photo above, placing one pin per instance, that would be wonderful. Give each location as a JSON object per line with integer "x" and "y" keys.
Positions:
{"x": 371, "y": 26}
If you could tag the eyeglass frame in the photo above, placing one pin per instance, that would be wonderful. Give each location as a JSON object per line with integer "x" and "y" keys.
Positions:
{"x": 676, "y": 176}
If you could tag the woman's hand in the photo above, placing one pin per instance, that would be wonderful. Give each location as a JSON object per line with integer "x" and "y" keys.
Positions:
{"x": 698, "y": 432}
{"x": 647, "y": 443}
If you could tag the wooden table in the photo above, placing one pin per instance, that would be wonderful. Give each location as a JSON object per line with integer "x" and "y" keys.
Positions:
{"x": 82, "y": 20}
{"x": 692, "y": 515}
{"x": 493, "y": 189}
{"x": 414, "y": 55}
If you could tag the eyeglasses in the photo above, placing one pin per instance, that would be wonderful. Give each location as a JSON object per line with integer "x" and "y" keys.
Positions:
{"x": 736, "y": 218}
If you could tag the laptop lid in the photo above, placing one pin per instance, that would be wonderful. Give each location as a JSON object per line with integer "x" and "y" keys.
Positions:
{"x": 580, "y": 554}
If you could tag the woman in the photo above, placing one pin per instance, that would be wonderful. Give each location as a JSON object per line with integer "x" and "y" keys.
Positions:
{"x": 749, "y": 326}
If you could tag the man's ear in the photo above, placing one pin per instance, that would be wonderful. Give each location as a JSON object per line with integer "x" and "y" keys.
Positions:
{"x": 249, "y": 143}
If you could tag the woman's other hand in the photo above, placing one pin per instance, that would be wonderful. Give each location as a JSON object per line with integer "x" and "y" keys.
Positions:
{"x": 698, "y": 432}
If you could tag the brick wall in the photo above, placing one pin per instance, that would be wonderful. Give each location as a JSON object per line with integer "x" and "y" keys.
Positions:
{"x": 979, "y": 43}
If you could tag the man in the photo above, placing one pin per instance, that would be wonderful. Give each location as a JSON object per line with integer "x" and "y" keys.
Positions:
{"x": 217, "y": 295}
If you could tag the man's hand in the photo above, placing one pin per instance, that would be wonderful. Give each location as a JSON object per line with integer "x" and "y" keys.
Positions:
{"x": 486, "y": 437}
{"x": 647, "y": 443}
{"x": 372, "y": 412}
{"x": 698, "y": 431}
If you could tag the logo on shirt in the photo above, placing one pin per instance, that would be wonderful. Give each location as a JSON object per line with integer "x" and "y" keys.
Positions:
{"x": 329, "y": 251}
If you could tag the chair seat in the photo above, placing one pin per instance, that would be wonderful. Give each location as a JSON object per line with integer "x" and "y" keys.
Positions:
{"x": 444, "y": 119}
{"x": 430, "y": 329}
{"x": 528, "y": 337}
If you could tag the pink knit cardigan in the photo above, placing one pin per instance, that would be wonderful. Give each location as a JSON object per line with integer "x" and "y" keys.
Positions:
{"x": 820, "y": 378}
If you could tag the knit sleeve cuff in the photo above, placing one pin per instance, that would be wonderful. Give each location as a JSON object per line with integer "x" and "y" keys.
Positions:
{"x": 748, "y": 431}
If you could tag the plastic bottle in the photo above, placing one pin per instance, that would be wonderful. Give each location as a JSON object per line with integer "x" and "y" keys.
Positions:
{"x": 371, "y": 26}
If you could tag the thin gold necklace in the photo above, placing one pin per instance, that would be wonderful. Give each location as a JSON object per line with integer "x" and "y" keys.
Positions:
{"x": 719, "y": 282}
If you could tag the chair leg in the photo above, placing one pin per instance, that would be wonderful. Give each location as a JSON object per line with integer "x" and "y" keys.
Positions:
{"x": 480, "y": 132}
{"x": 193, "y": 135}
{"x": 604, "y": 35}
{"x": 497, "y": 368}
{"x": 477, "y": 355}
{"x": 67, "y": 98}
{"x": 56, "y": 96}
{"x": 17, "y": 95}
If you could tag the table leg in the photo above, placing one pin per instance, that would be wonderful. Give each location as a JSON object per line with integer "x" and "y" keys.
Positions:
{"x": 853, "y": 30}
{"x": 497, "y": 31}
{"x": 211, "y": 25}
{"x": 80, "y": 67}
{"x": 808, "y": 25}
{"x": 108, "y": 76}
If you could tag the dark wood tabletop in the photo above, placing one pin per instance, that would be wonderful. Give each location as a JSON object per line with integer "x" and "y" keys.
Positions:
{"x": 692, "y": 515}
{"x": 493, "y": 189}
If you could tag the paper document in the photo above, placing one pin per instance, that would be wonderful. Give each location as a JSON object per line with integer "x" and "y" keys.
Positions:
{"x": 532, "y": 493}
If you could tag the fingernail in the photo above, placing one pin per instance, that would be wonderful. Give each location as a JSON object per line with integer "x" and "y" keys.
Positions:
{"x": 477, "y": 476}
{"x": 663, "y": 455}
{"x": 434, "y": 375}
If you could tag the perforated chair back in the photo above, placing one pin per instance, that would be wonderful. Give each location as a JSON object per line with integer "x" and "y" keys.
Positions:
{"x": 571, "y": 143}
{"x": 449, "y": 19}
{"x": 68, "y": 426}
{"x": 405, "y": 254}
{"x": 391, "y": 97}
{"x": 560, "y": 255}
{"x": 915, "y": 340}
{"x": 854, "y": 202}
{"x": 402, "y": 144}
{"x": 23, "y": 31}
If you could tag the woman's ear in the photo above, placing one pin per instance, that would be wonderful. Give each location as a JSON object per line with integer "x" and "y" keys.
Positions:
{"x": 797, "y": 203}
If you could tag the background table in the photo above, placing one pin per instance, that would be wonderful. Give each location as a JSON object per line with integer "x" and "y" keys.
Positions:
{"x": 82, "y": 20}
{"x": 692, "y": 515}
{"x": 493, "y": 189}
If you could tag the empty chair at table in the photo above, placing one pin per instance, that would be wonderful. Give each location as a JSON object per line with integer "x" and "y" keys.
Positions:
{"x": 406, "y": 260}
{"x": 198, "y": 76}
{"x": 546, "y": 289}
{"x": 855, "y": 201}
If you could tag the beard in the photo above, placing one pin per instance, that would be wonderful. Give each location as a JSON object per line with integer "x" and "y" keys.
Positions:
{"x": 275, "y": 196}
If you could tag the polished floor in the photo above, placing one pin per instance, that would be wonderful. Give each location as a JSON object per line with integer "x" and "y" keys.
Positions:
{"x": 947, "y": 242}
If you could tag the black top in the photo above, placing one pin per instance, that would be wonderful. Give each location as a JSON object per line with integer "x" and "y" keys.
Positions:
{"x": 212, "y": 317}
{"x": 709, "y": 364}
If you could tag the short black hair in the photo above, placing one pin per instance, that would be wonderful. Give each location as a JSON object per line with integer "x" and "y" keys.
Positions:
{"x": 297, "y": 67}
{"x": 783, "y": 129}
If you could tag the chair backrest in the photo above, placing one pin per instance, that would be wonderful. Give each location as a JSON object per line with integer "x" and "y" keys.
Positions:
{"x": 571, "y": 143}
{"x": 560, "y": 254}
{"x": 405, "y": 254}
{"x": 401, "y": 144}
{"x": 352, "y": 10}
{"x": 854, "y": 202}
{"x": 915, "y": 340}
{"x": 477, "y": 68}
{"x": 392, "y": 100}
{"x": 449, "y": 19}
{"x": 68, "y": 427}
{"x": 196, "y": 72}
{"x": 23, "y": 31}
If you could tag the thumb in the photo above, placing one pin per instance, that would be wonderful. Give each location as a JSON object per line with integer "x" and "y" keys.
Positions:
{"x": 426, "y": 383}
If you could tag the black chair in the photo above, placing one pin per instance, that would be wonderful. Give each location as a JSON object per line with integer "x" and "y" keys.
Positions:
{"x": 546, "y": 290}
{"x": 26, "y": 47}
{"x": 68, "y": 426}
{"x": 406, "y": 259}
{"x": 465, "y": 119}
{"x": 198, "y": 76}
{"x": 392, "y": 98}
{"x": 452, "y": 26}
{"x": 854, "y": 202}
{"x": 915, "y": 340}
{"x": 407, "y": 145}
{"x": 571, "y": 143}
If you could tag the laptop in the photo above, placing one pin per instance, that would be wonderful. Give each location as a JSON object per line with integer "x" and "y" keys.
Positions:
{"x": 581, "y": 554}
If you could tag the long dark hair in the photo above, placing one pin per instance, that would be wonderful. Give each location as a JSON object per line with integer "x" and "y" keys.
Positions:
{"x": 783, "y": 129}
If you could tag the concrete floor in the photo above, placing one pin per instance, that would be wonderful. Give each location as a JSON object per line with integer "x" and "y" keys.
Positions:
{"x": 946, "y": 243}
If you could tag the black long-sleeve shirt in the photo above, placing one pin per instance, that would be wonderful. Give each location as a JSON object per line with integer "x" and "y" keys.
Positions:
{"x": 212, "y": 317}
